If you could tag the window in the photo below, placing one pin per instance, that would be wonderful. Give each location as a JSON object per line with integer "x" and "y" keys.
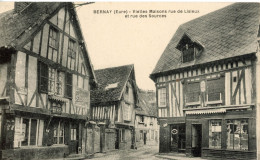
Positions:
{"x": 50, "y": 80}
{"x": 162, "y": 97}
{"x": 122, "y": 135}
{"x": 192, "y": 93}
{"x": 28, "y": 132}
{"x": 56, "y": 81}
{"x": 215, "y": 88}
{"x": 237, "y": 134}
{"x": 72, "y": 49}
{"x": 53, "y": 44}
{"x": 188, "y": 53}
{"x": 68, "y": 84}
{"x": 43, "y": 77}
{"x": 73, "y": 132}
{"x": 215, "y": 134}
{"x": 126, "y": 90}
{"x": 58, "y": 135}
{"x": 127, "y": 112}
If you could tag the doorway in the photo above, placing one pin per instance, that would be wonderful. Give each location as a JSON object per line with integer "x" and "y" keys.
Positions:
{"x": 196, "y": 138}
{"x": 117, "y": 139}
{"x": 178, "y": 137}
{"x": 144, "y": 138}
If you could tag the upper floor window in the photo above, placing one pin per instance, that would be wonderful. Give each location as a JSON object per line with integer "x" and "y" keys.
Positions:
{"x": 56, "y": 82}
{"x": 192, "y": 94}
{"x": 215, "y": 90}
{"x": 53, "y": 81}
{"x": 53, "y": 44}
{"x": 162, "y": 97}
{"x": 72, "y": 49}
{"x": 187, "y": 53}
{"x": 128, "y": 112}
{"x": 189, "y": 48}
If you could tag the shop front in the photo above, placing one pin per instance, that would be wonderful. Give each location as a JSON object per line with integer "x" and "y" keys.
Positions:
{"x": 229, "y": 134}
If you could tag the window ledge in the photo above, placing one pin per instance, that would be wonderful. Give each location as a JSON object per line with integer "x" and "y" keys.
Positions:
{"x": 192, "y": 103}
{"x": 214, "y": 102}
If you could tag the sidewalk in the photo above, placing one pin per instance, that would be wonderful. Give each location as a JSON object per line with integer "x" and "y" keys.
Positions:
{"x": 176, "y": 156}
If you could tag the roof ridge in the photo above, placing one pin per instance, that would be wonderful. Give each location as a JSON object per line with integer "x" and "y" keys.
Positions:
{"x": 127, "y": 65}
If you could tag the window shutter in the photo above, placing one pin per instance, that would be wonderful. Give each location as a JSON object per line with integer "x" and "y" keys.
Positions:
{"x": 68, "y": 85}
{"x": 43, "y": 77}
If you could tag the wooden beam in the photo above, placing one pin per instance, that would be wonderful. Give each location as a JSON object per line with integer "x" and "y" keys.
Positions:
{"x": 237, "y": 87}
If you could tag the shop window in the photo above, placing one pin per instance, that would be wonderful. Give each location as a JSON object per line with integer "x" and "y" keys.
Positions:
{"x": 192, "y": 95}
{"x": 58, "y": 136}
{"x": 122, "y": 135}
{"x": 53, "y": 44}
{"x": 215, "y": 134}
{"x": 27, "y": 132}
{"x": 215, "y": 89}
{"x": 162, "y": 97}
{"x": 237, "y": 134}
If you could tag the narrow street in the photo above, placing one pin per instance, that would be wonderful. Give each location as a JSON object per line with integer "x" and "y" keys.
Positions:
{"x": 147, "y": 152}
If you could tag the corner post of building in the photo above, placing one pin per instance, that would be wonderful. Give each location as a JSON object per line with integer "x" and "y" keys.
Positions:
{"x": 102, "y": 137}
{"x": 257, "y": 99}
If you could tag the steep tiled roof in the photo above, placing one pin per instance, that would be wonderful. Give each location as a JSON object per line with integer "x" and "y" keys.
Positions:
{"x": 19, "y": 24}
{"x": 147, "y": 103}
{"x": 111, "y": 82}
{"x": 13, "y": 24}
{"x": 228, "y": 32}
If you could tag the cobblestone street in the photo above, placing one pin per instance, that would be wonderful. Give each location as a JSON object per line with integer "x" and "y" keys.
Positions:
{"x": 147, "y": 152}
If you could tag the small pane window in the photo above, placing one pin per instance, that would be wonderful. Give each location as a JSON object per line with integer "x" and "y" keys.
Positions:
{"x": 58, "y": 135}
{"x": 162, "y": 97}
{"x": 72, "y": 49}
{"x": 53, "y": 44}
{"x": 192, "y": 92}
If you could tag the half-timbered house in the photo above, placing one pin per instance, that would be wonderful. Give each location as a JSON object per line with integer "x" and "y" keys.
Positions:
{"x": 206, "y": 84}
{"x": 45, "y": 78}
{"x": 113, "y": 105}
{"x": 146, "y": 126}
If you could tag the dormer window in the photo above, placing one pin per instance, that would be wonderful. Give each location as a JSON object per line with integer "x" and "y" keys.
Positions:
{"x": 188, "y": 53}
{"x": 190, "y": 49}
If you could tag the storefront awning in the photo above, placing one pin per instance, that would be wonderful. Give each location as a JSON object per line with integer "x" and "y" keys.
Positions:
{"x": 207, "y": 111}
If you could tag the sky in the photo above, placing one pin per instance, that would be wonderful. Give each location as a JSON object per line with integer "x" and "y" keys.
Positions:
{"x": 114, "y": 40}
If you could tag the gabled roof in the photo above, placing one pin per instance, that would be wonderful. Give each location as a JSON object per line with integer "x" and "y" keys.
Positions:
{"x": 225, "y": 33}
{"x": 111, "y": 83}
{"x": 147, "y": 103}
{"x": 16, "y": 27}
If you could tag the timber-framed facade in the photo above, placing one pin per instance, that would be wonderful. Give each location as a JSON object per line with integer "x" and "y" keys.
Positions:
{"x": 206, "y": 85}
{"x": 46, "y": 76}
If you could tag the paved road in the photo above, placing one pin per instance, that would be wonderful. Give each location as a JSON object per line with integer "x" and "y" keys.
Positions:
{"x": 147, "y": 152}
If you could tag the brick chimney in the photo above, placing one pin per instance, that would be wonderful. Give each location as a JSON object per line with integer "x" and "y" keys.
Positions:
{"x": 20, "y": 6}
